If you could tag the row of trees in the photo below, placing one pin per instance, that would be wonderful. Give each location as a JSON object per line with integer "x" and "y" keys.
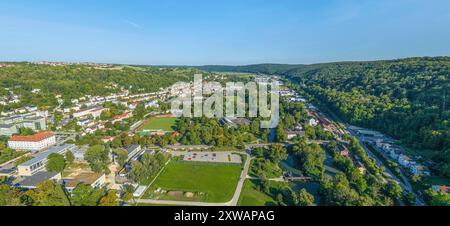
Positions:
{"x": 49, "y": 193}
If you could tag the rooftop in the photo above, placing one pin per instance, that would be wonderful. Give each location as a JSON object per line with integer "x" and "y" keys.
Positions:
{"x": 33, "y": 138}
{"x": 36, "y": 179}
{"x": 44, "y": 155}
{"x": 84, "y": 178}
{"x": 131, "y": 148}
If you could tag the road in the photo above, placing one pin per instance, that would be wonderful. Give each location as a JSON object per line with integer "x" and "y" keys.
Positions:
{"x": 404, "y": 183}
{"x": 233, "y": 202}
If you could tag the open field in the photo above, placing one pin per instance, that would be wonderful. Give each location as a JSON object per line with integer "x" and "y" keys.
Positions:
{"x": 196, "y": 182}
{"x": 251, "y": 196}
{"x": 160, "y": 124}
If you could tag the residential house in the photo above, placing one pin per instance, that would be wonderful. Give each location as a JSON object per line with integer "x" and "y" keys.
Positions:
{"x": 441, "y": 189}
{"x": 313, "y": 122}
{"x": 404, "y": 160}
{"x": 293, "y": 134}
{"x": 95, "y": 112}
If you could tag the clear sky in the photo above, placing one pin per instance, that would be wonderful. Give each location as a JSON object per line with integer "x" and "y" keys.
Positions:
{"x": 233, "y": 32}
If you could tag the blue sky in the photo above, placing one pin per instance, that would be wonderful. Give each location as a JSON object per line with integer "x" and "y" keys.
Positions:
{"x": 233, "y": 32}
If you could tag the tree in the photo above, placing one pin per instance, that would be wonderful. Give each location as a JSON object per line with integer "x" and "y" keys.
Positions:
{"x": 305, "y": 199}
{"x": 110, "y": 199}
{"x": 277, "y": 153}
{"x": 281, "y": 135}
{"x": 85, "y": 195}
{"x": 98, "y": 158}
{"x": 310, "y": 158}
{"x": 55, "y": 163}
{"x": 128, "y": 192}
{"x": 393, "y": 191}
{"x": 122, "y": 156}
{"x": 9, "y": 196}
{"x": 48, "y": 194}
{"x": 70, "y": 157}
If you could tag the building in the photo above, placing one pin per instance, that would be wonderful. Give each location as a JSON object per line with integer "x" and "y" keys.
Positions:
{"x": 293, "y": 134}
{"x": 95, "y": 112}
{"x": 95, "y": 180}
{"x": 119, "y": 118}
{"x": 345, "y": 152}
{"x": 35, "y": 120}
{"x": 38, "y": 163}
{"x": 404, "y": 160}
{"x": 139, "y": 191}
{"x": 33, "y": 181}
{"x": 8, "y": 129}
{"x": 152, "y": 104}
{"x": 36, "y": 142}
{"x": 231, "y": 122}
{"x": 362, "y": 169}
{"x": 133, "y": 151}
{"x": 313, "y": 122}
{"x": 441, "y": 189}
{"x": 419, "y": 170}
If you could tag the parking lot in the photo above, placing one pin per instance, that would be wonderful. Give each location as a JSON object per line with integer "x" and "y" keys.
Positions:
{"x": 218, "y": 157}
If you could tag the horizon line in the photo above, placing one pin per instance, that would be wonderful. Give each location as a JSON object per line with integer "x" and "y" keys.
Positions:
{"x": 223, "y": 65}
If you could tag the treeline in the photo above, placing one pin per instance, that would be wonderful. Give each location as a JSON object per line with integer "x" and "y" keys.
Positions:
{"x": 49, "y": 193}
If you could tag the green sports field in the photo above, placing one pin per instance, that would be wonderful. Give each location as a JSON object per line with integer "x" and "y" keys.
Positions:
{"x": 209, "y": 182}
{"x": 160, "y": 124}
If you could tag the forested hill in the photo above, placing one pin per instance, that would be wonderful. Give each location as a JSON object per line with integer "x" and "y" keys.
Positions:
{"x": 407, "y": 98}
{"x": 74, "y": 81}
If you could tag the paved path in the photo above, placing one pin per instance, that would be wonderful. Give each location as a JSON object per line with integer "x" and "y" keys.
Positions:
{"x": 280, "y": 179}
{"x": 241, "y": 182}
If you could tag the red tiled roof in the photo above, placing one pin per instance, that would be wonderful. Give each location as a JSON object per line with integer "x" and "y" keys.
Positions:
{"x": 32, "y": 138}
{"x": 444, "y": 189}
{"x": 122, "y": 116}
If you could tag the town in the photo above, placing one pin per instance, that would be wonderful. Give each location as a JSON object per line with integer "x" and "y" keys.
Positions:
{"x": 133, "y": 146}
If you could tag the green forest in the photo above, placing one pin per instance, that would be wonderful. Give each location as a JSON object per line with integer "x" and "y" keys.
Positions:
{"x": 407, "y": 99}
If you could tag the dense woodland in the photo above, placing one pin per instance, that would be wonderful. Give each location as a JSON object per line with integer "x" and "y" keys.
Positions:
{"x": 407, "y": 99}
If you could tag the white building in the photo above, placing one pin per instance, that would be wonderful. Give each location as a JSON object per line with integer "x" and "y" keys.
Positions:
{"x": 313, "y": 122}
{"x": 94, "y": 112}
{"x": 38, "y": 163}
{"x": 34, "y": 142}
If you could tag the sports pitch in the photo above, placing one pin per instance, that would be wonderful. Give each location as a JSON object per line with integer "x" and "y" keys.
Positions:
{"x": 209, "y": 182}
{"x": 160, "y": 124}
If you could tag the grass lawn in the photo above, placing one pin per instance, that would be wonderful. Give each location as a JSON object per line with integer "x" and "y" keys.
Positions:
{"x": 251, "y": 196}
{"x": 207, "y": 182}
{"x": 164, "y": 124}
